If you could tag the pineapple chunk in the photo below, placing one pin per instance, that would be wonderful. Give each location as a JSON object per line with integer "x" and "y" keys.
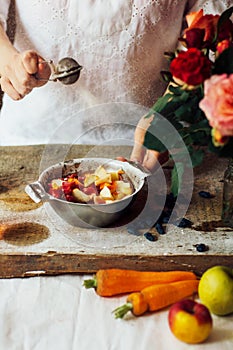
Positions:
{"x": 100, "y": 172}
{"x": 124, "y": 187}
{"x": 119, "y": 196}
{"x": 81, "y": 196}
{"x": 56, "y": 184}
{"x": 105, "y": 193}
{"x": 89, "y": 179}
{"x": 115, "y": 174}
{"x": 101, "y": 180}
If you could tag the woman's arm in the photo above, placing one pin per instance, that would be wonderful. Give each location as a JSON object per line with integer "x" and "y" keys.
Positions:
{"x": 149, "y": 158}
{"x": 17, "y": 70}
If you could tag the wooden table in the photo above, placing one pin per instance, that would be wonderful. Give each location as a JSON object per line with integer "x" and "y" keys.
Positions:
{"x": 35, "y": 242}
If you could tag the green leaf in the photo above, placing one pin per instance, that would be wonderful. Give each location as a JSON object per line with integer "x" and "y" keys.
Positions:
{"x": 196, "y": 156}
{"x": 152, "y": 142}
{"x": 167, "y": 76}
{"x": 175, "y": 90}
{"x": 225, "y": 16}
{"x": 199, "y": 138}
{"x": 161, "y": 103}
{"x": 224, "y": 62}
{"x": 176, "y": 180}
{"x": 202, "y": 125}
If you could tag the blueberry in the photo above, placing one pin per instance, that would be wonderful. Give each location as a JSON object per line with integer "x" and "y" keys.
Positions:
{"x": 184, "y": 223}
{"x": 205, "y": 194}
{"x": 164, "y": 216}
{"x": 150, "y": 236}
{"x": 201, "y": 247}
{"x": 159, "y": 228}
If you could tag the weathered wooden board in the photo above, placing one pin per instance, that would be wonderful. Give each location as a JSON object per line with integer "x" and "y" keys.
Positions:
{"x": 34, "y": 241}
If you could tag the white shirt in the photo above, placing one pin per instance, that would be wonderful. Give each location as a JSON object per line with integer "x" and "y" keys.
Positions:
{"x": 120, "y": 45}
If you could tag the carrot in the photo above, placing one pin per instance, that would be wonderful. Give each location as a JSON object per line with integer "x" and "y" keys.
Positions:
{"x": 111, "y": 282}
{"x": 156, "y": 297}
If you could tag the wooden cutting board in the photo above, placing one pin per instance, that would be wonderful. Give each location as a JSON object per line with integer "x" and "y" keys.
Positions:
{"x": 35, "y": 241}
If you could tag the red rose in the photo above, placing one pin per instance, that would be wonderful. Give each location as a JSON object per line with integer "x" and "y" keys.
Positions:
{"x": 201, "y": 29}
{"x": 191, "y": 67}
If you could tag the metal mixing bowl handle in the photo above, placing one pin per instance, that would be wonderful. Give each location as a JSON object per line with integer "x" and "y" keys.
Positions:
{"x": 37, "y": 193}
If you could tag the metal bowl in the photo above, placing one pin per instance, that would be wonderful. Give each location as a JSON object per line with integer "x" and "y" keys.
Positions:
{"x": 87, "y": 215}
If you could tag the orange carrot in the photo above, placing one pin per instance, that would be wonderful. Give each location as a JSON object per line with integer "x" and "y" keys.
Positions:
{"x": 156, "y": 297}
{"x": 111, "y": 282}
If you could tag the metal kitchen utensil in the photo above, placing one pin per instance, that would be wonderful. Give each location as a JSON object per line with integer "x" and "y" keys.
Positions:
{"x": 67, "y": 71}
{"x": 87, "y": 215}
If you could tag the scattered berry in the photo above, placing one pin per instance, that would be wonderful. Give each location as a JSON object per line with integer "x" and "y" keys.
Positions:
{"x": 201, "y": 247}
{"x": 205, "y": 194}
{"x": 184, "y": 223}
{"x": 159, "y": 228}
{"x": 150, "y": 236}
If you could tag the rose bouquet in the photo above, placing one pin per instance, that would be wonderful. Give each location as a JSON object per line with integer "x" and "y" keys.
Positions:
{"x": 199, "y": 98}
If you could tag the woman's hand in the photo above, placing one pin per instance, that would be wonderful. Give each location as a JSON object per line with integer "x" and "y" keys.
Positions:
{"x": 150, "y": 159}
{"x": 21, "y": 73}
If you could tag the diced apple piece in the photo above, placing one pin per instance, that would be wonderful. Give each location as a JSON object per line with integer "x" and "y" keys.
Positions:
{"x": 124, "y": 187}
{"x": 89, "y": 179}
{"x": 105, "y": 193}
{"x": 101, "y": 180}
{"x": 118, "y": 196}
{"x": 114, "y": 175}
{"x": 56, "y": 183}
{"x": 81, "y": 196}
{"x": 100, "y": 172}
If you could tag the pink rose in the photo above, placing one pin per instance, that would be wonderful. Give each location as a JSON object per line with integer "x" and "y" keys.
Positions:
{"x": 217, "y": 103}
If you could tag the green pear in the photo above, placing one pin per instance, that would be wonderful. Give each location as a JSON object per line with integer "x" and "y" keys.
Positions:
{"x": 216, "y": 290}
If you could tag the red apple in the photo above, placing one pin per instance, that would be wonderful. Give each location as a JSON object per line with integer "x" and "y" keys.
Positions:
{"x": 190, "y": 321}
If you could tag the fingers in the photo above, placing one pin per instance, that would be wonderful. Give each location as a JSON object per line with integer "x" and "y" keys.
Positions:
{"x": 154, "y": 159}
{"x": 122, "y": 159}
{"x": 30, "y": 61}
{"x": 150, "y": 159}
{"x": 138, "y": 153}
{"x": 8, "y": 88}
{"x": 18, "y": 78}
{"x": 43, "y": 72}
{"x": 141, "y": 129}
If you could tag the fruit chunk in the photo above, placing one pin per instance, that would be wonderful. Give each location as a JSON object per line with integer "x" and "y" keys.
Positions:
{"x": 81, "y": 196}
{"x": 105, "y": 193}
{"x": 89, "y": 179}
{"x": 123, "y": 187}
{"x": 106, "y": 178}
{"x": 100, "y": 172}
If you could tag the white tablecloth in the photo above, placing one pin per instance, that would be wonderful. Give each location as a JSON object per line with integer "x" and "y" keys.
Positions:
{"x": 58, "y": 313}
